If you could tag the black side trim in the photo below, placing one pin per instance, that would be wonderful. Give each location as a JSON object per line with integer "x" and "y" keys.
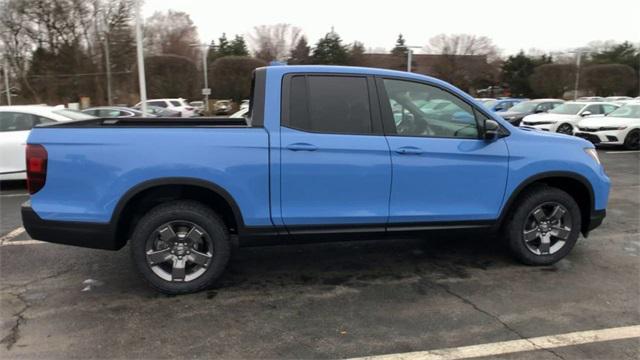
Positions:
{"x": 90, "y": 235}
{"x": 541, "y": 176}
{"x": 258, "y": 236}
{"x": 158, "y": 122}
{"x": 13, "y": 172}
{"x": 124, "y": 200}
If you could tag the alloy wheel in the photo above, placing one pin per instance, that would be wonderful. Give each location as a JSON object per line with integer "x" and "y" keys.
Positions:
{"x": 179, "y": 251}
{"x": 565, "y": 129}
{"x": 547, "y": 228}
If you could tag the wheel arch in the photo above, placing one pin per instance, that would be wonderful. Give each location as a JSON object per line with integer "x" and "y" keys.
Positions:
{"x": 576, "y": 185}
{"x": 153, "y": 192}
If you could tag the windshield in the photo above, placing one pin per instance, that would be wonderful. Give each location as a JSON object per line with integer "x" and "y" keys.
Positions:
{"x": 567, "y": 109}
{"x": 628, "y": 111}
{"x": 73, "y": 114}
{"x": 525, "y": 106}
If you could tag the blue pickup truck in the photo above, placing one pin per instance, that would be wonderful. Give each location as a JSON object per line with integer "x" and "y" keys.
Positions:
{"x": 324, "y": 152}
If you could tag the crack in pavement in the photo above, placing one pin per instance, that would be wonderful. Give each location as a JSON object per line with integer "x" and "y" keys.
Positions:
{"x": 497, "y": 318}
{"x": 14, "y": 333}
{"x": 31, "y": 282}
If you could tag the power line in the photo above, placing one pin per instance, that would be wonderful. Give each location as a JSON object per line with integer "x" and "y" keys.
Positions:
{"x": 80, "y": 74}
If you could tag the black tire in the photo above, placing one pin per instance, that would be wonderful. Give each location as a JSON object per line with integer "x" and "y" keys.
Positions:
{"x": 632, "y": 141}
{"x": 565, "y": 128}
{"x": 192, "y": 212}
{"x": 530, "y": 200}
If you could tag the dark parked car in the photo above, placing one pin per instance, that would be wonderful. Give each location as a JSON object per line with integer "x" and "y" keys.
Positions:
{"x": 520, "y": 110}
{"x": 115, "y": 111}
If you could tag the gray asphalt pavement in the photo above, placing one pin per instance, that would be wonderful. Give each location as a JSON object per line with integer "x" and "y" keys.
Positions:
{"x": 334, "y": 300}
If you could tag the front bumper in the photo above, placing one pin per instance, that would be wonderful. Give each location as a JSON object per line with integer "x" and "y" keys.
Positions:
{"x": 595, "y": 220}
{"x": 602, "y": 137}
{"x": 76, "y": 233}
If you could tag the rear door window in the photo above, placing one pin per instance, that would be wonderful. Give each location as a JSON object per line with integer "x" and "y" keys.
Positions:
{"x": 329, "y": 104}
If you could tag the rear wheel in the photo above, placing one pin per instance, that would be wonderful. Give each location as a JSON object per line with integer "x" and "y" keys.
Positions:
{"x": 544, "y": 227}
{"x": 180, "y": 247}
{"x": 632, "y": 141}
{"x": 565, "y": 129}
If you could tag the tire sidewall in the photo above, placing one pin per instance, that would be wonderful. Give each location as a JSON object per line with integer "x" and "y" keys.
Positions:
{"x": 627, "y": 141}
{"x": 516, "y": 225}
{"x": 188, "y": 211}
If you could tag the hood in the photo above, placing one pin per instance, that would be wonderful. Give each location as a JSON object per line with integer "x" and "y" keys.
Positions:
{"x": 596, "y": 122}
{"x": 549, "y": 117}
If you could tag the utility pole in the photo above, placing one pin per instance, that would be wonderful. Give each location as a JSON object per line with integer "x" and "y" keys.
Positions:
{"x": 410, "y": 56}
{"x": 575, "y": 88}
{"x": 107, "y": 60}
{"x": 141, "y": 79}
{"x": 6, "y": 80}
{"x": 204, "y": 48}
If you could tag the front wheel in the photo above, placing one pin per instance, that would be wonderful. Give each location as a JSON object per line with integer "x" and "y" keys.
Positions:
{"x": 632, "y": 141}
{"x": 565, "y": 128}
{"x": 544, "y": 227}
{"x": 180, "y": 247}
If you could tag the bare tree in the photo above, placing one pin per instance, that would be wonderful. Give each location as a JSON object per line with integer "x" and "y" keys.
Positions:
{"x": 274, "y": 42}
{"x": 462, "y": 44}
{"x": 553, "y": 80}
{"x": 171, "y": 32}
{"x": 467, "y": 61}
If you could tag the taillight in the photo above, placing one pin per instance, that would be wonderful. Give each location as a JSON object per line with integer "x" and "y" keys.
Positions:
{"x": 36, "y": 167}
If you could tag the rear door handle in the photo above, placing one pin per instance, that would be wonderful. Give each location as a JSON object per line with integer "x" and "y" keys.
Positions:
{"x": 409, "y": 150}
{"x": 302, "y": 147}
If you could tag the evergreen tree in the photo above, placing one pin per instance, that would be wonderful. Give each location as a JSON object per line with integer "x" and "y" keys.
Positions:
{"x": 400, "y": 49}
{"x": 356, "y": 54}
{"x": 238, "y": 47}
{"x": 330, "y": 51}
{"x": 301, "y": 54}
{"x": 223, "y": 46}
{"x": 212, "y": 53}
{"x": 517, "y": 70}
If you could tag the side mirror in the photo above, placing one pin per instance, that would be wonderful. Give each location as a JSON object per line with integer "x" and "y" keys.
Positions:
{"x": 538, "y": 111}
{"x": 585, "y": 113}
{"x": 491, "y": 130}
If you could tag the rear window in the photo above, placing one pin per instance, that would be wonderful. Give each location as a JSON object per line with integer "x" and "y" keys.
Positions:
{"x": 73, "y": 114}
{"x": 176, "y": 103}
{"x": 330, "y": 104}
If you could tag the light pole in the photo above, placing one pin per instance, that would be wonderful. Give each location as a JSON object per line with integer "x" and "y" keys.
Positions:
{"x": 104, "y": 30}
{"x": 410, "y": 56}
{"x": 206, "y": 91}
{"x": 6, "y": 80}
{"x": 578, "y": 53}
{"x": 141, "y": 79}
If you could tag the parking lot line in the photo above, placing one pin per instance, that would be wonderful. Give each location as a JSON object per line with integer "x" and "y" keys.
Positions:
{"x": 515, "y": 346}
{"x": 623, "y": 152}
{"x": 13, "y": 233}
{"x": 22, "y": 242}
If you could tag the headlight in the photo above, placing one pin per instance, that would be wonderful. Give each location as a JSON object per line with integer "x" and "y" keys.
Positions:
{"x": 593, "y": 154}
{"x": 605, "y": 128}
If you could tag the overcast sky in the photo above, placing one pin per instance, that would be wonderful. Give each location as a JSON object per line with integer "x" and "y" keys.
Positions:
{"x": 513, "y": 25}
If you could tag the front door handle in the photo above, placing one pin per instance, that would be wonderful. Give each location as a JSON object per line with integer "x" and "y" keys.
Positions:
{"x": 302, "y": 147}
{"x": 409, "y": 150}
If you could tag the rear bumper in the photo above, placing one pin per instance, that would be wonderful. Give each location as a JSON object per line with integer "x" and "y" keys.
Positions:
{"x": 90, "y": 235}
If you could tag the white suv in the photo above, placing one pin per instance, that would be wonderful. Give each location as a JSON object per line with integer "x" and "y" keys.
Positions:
{"x": 179, "y": 105}
{"x": 620, "y": 127}
{"x": 563, "y": 118}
